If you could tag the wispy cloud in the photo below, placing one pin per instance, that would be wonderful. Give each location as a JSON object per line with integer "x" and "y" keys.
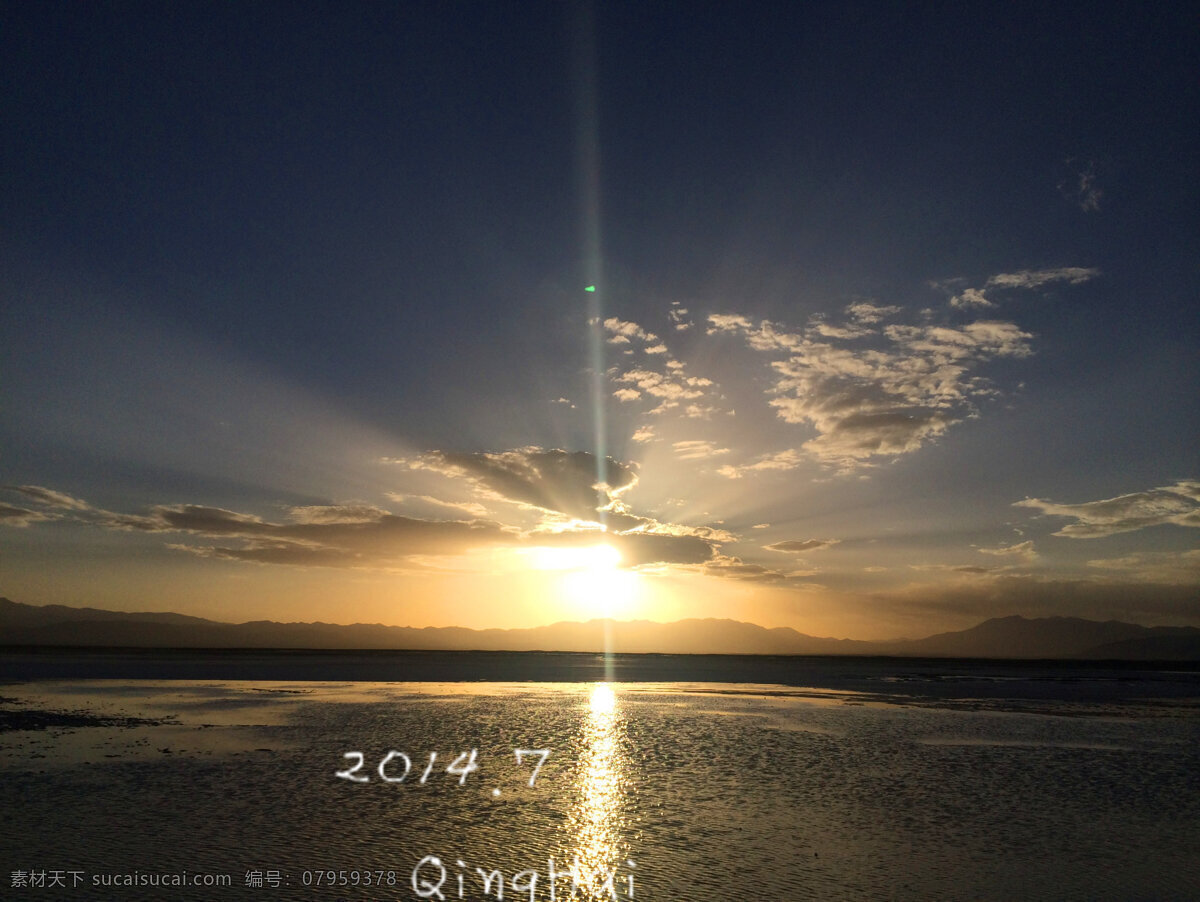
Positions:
{"x": 351, "y": 512}
{"x": 788, "y": 459}
{"x": 1081, "y": 186}
{"x": 1169, "y": 567}
{"x": 1022, "y": 551}
{"x": 1177, "y": 505}
{"x": 799, "y": 546}
{"x": 697, "y": 450}
{"x": 50, "y": 497}
{"x": 1026, "y": 279}
{"x": 471, "y": 508}
{"x": 1036, "y": 278}
{"x": 643, "y": 434}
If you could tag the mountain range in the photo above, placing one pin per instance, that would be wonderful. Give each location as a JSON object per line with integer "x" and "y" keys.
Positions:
{"x": 1000, "y": 637}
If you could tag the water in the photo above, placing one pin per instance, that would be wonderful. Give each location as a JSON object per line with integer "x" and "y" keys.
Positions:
{"x": 669, "y": 791}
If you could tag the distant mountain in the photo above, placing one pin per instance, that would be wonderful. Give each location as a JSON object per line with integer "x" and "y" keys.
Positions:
{"x": 1001, "y": 637}
{"x": 1048, "y": 637}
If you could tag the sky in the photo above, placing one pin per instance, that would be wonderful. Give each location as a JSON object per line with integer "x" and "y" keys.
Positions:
{"x": 868, "y": 320}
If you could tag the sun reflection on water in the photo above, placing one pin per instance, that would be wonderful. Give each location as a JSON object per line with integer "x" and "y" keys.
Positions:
{"x": 597, "y": 821}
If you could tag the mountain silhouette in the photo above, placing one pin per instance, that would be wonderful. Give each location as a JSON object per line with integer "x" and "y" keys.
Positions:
{"x": 1000, "y": 637}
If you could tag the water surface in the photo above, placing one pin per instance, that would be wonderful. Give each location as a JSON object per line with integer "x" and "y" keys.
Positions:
{"x": 676, "y": 791}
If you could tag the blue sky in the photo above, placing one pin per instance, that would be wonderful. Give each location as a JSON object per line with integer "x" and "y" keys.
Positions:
{"x": 895, "y": 324}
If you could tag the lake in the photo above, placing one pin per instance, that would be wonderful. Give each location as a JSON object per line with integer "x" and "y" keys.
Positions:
{"x": 155, "y": 775}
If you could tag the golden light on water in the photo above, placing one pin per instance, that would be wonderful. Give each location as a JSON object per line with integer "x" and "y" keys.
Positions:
{"x": 597, "y": 822}
{"x": 604, "y": 700}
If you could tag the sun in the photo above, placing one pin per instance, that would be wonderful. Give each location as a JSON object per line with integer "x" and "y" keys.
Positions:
{"x": 590, "y": 578}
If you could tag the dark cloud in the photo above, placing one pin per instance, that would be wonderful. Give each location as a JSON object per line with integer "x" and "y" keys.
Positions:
{"x": 213, "y": 521}
{"x": 19, "y": 516}
{"x": 637, "y": 548}
{"x": 285, "y": 553}
{"x": 326, "y": 535}
{"x": 556, "y": 481}
{"x": 378, "y": 541}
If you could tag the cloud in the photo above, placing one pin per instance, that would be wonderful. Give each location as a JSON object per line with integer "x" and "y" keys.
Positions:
{"x": 356, "y": 541}
{"x": 473, "y": 508}
{"x": 19, "y": 516}
{"x": 643, "y": 434}
{"x": 1022, "y": 551}
{"x": 679, "y": 317}
{"x": 1080, "y": 187}
{"x": 729, "y": 567}
{"x": 869, "y": 314}
{"x": 976, "y": 298}
{"x": 950, "y": 568}
{"x": 661, "y": 379}
{"x": 819, "y": 325}
{"x": 213, "y": 521}
{"x": 697, "y": 450}
{"x": 347, "y": 535}
{"x": 621, "y": 332}
{"x": 563, "y": 487}
{"x": 875, "y": 390}
{"x": 573, "y": 483}
{"x": 379, "y": 540}
{"x": 50, "y": 497}
{"x": 728, "y": 322}
{"x": 1177, "y": 505}
{"x": 1027, "y": 278}
{"x": 780, "y": 460}
{"x": 799, "y": 546}
{"x": 972, "y": 297}
{"x": 1170, "y": 567}
{"x": 568, "y": 492}
{"x": 671, "y": 389}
